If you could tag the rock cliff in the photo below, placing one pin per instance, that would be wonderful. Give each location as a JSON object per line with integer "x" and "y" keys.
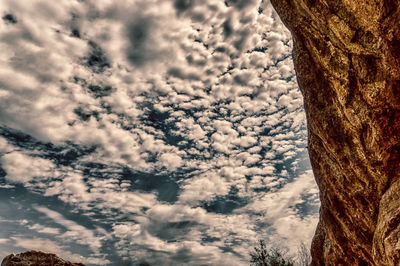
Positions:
{"x": 347, "y": 59}
{"x": 36, "y": 258}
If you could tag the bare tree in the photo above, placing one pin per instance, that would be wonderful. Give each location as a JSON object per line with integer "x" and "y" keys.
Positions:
{"x": 272, "y": 257}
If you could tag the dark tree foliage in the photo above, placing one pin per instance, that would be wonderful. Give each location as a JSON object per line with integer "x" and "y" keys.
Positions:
{"x": 273, "y": 257}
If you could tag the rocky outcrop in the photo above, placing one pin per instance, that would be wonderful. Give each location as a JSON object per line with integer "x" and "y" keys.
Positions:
{"x": 347, "y": 59}
{"x": 36, "y": 258}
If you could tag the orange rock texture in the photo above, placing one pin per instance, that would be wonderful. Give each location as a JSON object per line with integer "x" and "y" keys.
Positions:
{"x": 347, "y": 59}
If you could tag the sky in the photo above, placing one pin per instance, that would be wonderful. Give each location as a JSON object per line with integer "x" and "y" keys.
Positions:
{"x": 151, "y": 132}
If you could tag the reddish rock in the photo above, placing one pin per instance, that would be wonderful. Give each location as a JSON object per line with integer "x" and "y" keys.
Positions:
{"x": 36, "y": 258}
{"x": 347, "y": 59}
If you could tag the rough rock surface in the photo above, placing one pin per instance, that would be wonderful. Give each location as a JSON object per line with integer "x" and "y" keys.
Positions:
{"x": 36, "y": 258}
{"x": 347, "y": 59}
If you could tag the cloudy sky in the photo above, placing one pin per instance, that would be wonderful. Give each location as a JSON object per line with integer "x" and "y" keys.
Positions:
{"x": 167, "y": 132}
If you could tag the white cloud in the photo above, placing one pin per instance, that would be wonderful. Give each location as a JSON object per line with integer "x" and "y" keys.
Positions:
{"x": 204, "y": 187}
{"x": 22, "y": 168}
{"x": 75, "y": 232}
{"x": 4, "y": 146}
{"x": 199, "y": 93}
{"x": 70, "y": 189}
{"x": 279, "y": 210}
{"x": 45, "y": 230}
{"x": 171, "y": 161}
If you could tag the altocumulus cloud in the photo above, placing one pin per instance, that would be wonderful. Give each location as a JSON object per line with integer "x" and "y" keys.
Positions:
{"x": 167, "y": 132}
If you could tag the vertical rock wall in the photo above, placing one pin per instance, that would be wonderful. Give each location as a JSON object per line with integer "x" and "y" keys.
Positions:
{"x": 347, "y": 59}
